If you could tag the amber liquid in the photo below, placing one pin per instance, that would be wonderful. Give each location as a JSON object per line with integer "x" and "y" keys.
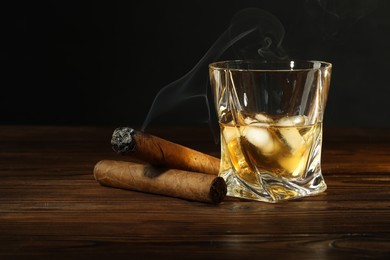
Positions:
{"x": 255, "y": 149}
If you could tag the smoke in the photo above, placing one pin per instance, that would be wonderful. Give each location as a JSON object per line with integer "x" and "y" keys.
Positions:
{"x": 335, "y": 17}
{"x": 252, "y": 34}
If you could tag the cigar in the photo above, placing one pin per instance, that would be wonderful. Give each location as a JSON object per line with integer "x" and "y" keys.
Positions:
{"x": 170, "y": 182}
{"x": 162, "y": 153}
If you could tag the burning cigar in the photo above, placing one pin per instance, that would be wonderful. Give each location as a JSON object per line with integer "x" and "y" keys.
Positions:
{"x": 160, "y": 152}
{"x": 170, "y": 182}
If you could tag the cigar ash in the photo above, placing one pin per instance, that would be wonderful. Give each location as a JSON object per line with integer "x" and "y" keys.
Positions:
{"x": 122, "y": 140}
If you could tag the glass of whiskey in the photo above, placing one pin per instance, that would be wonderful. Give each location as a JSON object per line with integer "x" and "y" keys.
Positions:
{"x": 270, "y": 116}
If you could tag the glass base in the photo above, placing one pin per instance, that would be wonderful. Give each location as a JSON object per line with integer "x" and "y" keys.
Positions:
{"x": 273, "y": 189}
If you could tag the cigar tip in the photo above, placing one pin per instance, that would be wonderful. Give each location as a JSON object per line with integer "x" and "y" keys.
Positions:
{"x": 122, "y": 140}
{"x": 218, "y": 190}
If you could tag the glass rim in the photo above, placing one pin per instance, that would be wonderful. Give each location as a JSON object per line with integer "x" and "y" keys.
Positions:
{"x": 275, "y": 66}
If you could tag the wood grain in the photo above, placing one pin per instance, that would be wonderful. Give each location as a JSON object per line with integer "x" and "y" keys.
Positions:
{"x": 51, "y": 206}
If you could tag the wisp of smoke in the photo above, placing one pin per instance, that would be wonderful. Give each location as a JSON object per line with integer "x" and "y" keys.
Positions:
{"x": 335, "y": 17}
{"x": 252, "y": 34}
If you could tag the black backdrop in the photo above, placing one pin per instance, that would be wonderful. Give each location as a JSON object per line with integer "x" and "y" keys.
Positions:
{"x": 95, "y": 63}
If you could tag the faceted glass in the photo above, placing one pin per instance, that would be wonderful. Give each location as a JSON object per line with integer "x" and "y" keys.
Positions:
{"x": 270, "y": 116}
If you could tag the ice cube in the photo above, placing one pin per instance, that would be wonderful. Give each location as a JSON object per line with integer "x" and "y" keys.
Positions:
{"x": 291, "y": 137}
{"x": 259, "y": 137}
{"x": 230, "y": 133}
{"x": 292, "y": 121}
{"x": 263, "y": 118}
{"x": 259, "y": 119}
{"x": 249, "y": 120}
{"x": 289, "y": 134}
{"x": 294, "y": 165}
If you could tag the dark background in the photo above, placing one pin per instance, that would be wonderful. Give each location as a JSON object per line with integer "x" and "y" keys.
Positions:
{"x": 95, "y": 63}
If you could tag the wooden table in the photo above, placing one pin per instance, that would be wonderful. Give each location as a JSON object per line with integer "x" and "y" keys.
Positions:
{"x": 51, "y": 206}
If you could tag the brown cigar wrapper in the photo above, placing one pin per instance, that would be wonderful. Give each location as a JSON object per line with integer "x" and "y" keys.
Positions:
{"x": 156, "y": 150}
{"x": 170, "y": 182}
{"x": 163, "y": 153}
